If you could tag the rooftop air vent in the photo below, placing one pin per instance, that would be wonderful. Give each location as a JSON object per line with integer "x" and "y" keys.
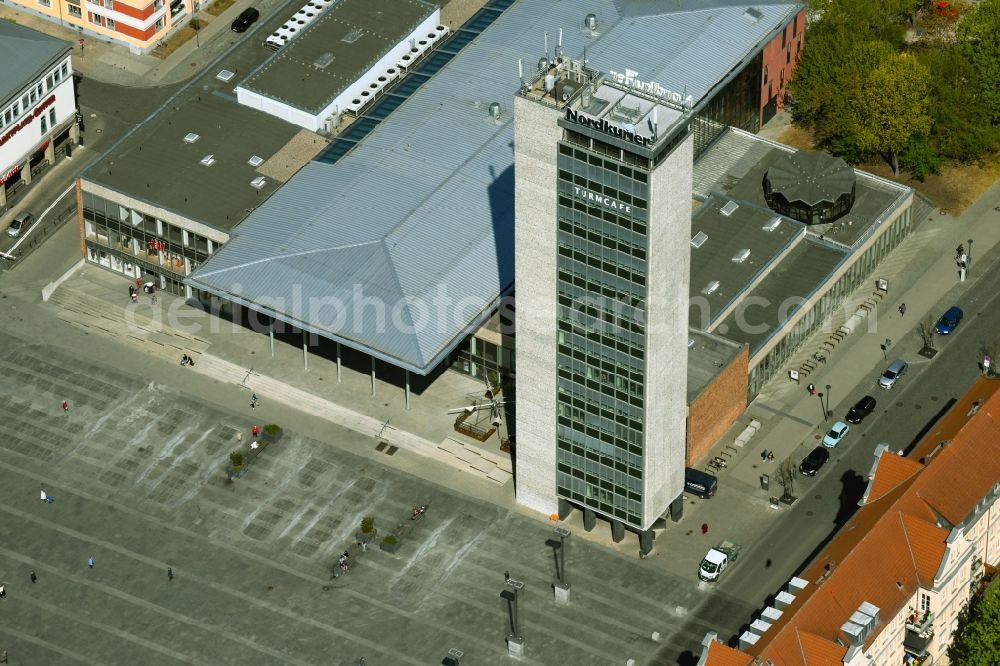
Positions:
{"x": 710, "y": 288}
{"x": 495, "y": 110}
{"x": 590, "y": 21}
{"x": 741, "y": 256}
{"x": 699, "y": 239}
{"x": 255, "y": 161}
{"x": 772, "y": 225}
{"x": 225, "y": 76}
{"x": 191, "y": 137}
{"x": 753, "y": 14}
{"x": 208, "y": 160}
{"x": 729, "y": 208}
{"x": 353, "y": 35}
{"x": 323, "y": 60}
{"x": 258, "y": 182}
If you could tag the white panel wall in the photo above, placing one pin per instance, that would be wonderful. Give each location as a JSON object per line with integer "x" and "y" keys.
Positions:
{"x": 536, "y": 136}
{"x": 27, "y": 139}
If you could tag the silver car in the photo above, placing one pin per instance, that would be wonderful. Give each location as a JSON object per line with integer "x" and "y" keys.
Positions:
{"x": 892, "y": 374}
{"x": 21, "y": 222}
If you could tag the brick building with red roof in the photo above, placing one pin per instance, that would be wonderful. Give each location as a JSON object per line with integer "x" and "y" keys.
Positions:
{"x": 889, "y": 587}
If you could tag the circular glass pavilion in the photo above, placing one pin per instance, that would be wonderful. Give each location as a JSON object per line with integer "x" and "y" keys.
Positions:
{"x": 810, "y": 186}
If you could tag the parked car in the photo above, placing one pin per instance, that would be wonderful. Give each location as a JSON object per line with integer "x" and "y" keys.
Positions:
{"x": 837, "y": 433}
{"x": 861, "y": 409}
{"x": 892, "y": 374}
{"x": 814, "y": 461}
{"x": 21, "y": 222}
{"x": 246, "y": 19}
{"x": 949, "y": 321}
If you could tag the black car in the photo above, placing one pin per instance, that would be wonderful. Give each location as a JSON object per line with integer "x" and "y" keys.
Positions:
{"x": 859, "y": 411}
{"x": 814, "y": 461}
{"x": 245, "y": 19}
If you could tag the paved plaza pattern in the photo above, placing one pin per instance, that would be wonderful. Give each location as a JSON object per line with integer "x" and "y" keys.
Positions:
{"x": 137, "y": 470}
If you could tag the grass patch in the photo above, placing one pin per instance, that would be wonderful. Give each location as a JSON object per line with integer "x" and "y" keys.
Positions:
{"x": 218, "y": 7}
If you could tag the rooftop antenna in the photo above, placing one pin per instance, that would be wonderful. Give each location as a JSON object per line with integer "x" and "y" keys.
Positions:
{"x": 546, "y": 44}
{"x": 559, "y": 45}
{"x": 520, "y": 71}
{"x": 655, "y": 109}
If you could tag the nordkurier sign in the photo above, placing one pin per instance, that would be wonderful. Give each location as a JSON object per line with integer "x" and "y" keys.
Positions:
{"x": 630, "y": 79}
{"x": 602, "y": 125}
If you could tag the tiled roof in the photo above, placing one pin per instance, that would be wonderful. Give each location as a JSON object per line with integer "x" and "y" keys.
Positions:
{"x": 895, "y": 543}
{"x": 892, "y": 471}
{"x": 720, "y": 654}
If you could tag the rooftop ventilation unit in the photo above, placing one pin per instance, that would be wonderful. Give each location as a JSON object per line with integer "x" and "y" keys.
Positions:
{"x": 854, "y": 633}
{"x": 255, "y": 161}
{"x": 771, "y": 614}
{"x": 495, "y": 110}
{"x": 591, "y": 22}
{"x": 699, "y": 239}
{"x": 208, "y": 160}
{"x": 323, "y": 61}
{"x": 258, "y": 182}
{"x": 772, "y": 224}
{"x": 729, "y": 208}
{"x": 298, "y": 22}
{"x": 783, "y": 600}
{"x": 796, "y": 584}
{"x": 753, "y": 14}
{"x": 760, "y": 627}
{"x": 748, "y": 639}
{"x": 741, "y": 256}
{"x": 191, "y": 137}
{"x": 872, "y": 612}
{"x": 225, "y": 76}
{"x": 710, "y": 288}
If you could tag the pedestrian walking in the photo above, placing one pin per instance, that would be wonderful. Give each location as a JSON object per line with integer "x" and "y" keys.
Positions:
{"x": 131, "y": 292}
{"x": 3, "y": 591}
{"x": 770, "y": 456}
{"x": 90, "y": 562}
{"x": 3, "y": 657}
{"x": 255, "y": 431}
{"x": 33, "y": 577}
{"x": 704, "y": 528}
{"x": 66, "y": 406}
{"x": 506, "y": 576}
{"x": 902, "y": 309}
{"x": 763, "y": 455}
{"x": 364, "y": 546}
{"x": 253, "y": 401}
{"x": 170, "y": 573}
{"x": 138, "y": 284}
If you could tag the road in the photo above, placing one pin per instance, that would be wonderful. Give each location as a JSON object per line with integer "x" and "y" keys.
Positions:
{"x": 901, "y": 416}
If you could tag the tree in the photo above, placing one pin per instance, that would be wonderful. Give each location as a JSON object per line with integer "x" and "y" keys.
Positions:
{"x": 891, "y": 107}
{"x": 976, "y": 641}
{"x": 979, "y": 44}
{"x": 961, "y": 126}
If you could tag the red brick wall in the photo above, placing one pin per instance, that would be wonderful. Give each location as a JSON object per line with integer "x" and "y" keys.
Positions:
{"x": 134, "y": 12}
{"x": 135, "y": 33}
{"x": 778, "y": 62}
{"x": 718, "y": 407}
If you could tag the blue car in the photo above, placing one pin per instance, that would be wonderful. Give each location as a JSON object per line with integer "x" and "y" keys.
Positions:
{"x": 949, "y": 321}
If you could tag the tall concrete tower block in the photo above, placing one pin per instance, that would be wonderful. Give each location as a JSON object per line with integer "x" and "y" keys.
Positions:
{"x": 603, "y": 181}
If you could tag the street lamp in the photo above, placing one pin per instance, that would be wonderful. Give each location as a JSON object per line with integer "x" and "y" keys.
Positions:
{"x": 829, "y": 412}
{"x": 968, "y": 257}
{"x": 821, "y": 406}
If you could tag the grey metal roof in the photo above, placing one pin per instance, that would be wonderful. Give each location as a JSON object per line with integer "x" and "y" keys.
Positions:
{"x": 356, "y": 33}
{"x": 811, "y": 176}
{"x": 25, "y": 54}
{"x": 424, "y": 205}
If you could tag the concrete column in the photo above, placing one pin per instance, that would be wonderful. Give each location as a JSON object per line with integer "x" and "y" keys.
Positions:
{"x": 373, "y": 376}
{"x": 407, "y": 389}
{"x": 617, "y": 531}
{"x": 305, "y": 351}
{"x": 270, "y": 334}
{"x": 677, "y": 508}
{"x": 3, "y": 194}
{"x": 26, "y": 172}
{"x": 74, "y": 133}
{"x": 565, "y": 508}
{"x": 589, "y": 519}
{"x": 646, "y": 542}
{"x": 50, "y": 153}
{"x": 338, "y": 362}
